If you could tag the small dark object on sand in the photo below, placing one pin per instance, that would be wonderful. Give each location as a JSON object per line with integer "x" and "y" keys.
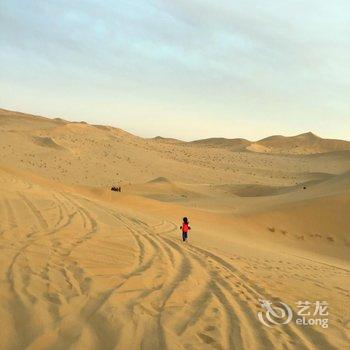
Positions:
{"x": 116, "y": 189}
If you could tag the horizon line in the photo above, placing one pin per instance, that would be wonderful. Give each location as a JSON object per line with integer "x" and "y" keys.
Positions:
{"x": 50, "y": 117}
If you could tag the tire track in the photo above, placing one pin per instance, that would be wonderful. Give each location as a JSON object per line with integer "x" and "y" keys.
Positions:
{"x": 305, "y": 338}
{"x": 91, "y": 310}
{"x": 20, "y": 313}
{"x": 42, "y": 222}
{"x": 10, "y": 214}
{"x": 184, "y": 271}
{"x": 19, "y": 303}
{"x": 218, "y": 286}
{"x": 214, "y": 289}
{"x": 222, "y": 285}
{"x": 137, "y": 228}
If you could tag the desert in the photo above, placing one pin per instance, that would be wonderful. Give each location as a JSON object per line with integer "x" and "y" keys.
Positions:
{"x": 84, "y": 267}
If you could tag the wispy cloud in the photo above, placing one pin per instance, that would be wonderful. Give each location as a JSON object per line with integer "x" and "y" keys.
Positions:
{"x": 242, "y": 69}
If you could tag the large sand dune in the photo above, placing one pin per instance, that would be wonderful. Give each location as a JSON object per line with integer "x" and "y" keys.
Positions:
{"x": 307, "y": 143}
{"x": 86, "y": 268}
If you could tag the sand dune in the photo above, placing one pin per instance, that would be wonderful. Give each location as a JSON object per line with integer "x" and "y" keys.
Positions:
{"x": 303, "y": 144}
{"x": 82, "y": 267}
{"x": 307, "y": 143}
{"x": 232, "y": 144}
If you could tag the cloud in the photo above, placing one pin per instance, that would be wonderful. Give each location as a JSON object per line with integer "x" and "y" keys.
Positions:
{"x": 238, "y": 63}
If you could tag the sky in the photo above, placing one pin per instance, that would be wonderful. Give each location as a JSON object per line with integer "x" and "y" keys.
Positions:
{"x": 188, "y": 69}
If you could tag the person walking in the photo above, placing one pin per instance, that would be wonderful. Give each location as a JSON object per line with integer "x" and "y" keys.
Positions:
{"x": 185, "y": 228}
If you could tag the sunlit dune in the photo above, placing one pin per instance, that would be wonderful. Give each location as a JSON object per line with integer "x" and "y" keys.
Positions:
{"x": 84, "y": 267}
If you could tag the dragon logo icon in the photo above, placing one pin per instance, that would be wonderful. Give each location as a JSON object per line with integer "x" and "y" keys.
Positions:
{"x": 275, "y": 313}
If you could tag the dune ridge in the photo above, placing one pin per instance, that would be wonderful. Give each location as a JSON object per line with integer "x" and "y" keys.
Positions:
{"x": 307, "y": 143}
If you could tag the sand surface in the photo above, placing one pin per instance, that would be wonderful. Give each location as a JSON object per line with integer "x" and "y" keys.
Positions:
{"x": 82, "y": 267}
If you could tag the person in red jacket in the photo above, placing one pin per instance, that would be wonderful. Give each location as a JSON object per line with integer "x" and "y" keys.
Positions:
{"x": 185, "y": 228}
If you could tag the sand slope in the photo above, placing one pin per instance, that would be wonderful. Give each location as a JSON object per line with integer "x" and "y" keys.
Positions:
{"x": 307, "y": 143}
{"x": 86, "y": 268}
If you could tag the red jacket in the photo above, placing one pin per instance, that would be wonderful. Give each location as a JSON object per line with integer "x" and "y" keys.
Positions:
{"x": 185, "y": 227}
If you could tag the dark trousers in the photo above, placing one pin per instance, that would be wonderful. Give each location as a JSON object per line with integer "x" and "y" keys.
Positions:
{"x": 184, "y": 236}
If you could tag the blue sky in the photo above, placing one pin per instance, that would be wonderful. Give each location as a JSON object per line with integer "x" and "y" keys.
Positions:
{"x": 185, "y": 69}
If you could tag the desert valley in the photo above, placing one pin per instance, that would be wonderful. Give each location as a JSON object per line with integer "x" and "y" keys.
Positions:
{"x": 84, "y": 267}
